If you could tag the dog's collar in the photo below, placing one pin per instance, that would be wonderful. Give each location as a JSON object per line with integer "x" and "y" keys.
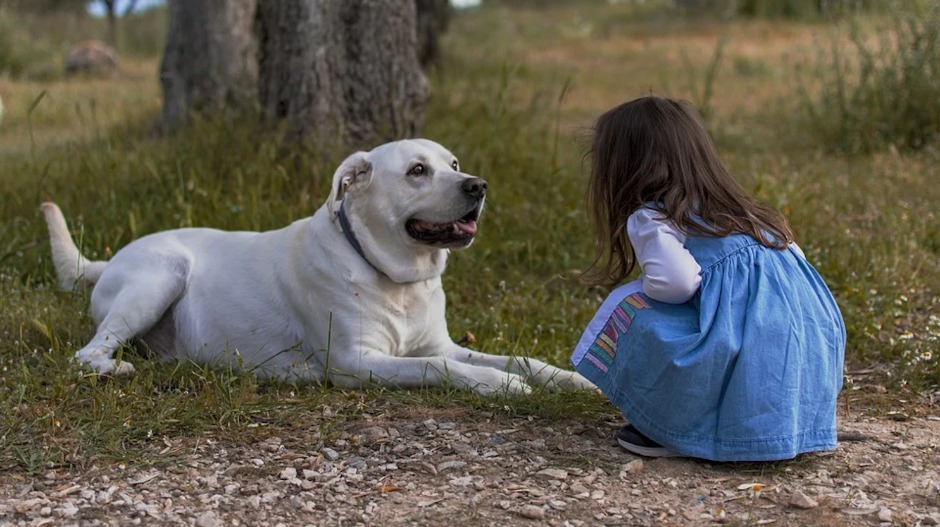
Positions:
{"x": 350, "y": 235}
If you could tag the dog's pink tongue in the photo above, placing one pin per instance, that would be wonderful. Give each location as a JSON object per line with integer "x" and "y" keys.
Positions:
{"x": 468, "y": 227}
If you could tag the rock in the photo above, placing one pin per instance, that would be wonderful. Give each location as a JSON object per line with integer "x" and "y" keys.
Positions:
{"x": 632, "y": 467}
{"x": 532, "y": 512}
{"x": 25, "y": 506}
{"x": 450, "y": 465}
{"x": 372, "y": 434}
{"x": 289, "y": 473}
{"x": 578, "y": 488}
{"x": 553, "y": 473}
{"x": 91, "y": 57}
{"x": 329, "y": 454}
{"x": 802, "y": 501}
{"x": 68, "y": 509}
{"x": 884, "y": 514}
{"x": 207, "y": 519}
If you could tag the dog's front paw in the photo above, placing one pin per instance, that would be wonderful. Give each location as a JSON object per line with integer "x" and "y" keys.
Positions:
{"x": 569, "y": 380}
{"x": 122, "y": 369}
{"x": 508, "y": 383}
{"x": 108, "y": 367}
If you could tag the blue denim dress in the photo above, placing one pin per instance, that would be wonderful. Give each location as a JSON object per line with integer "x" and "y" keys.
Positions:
{"x": 747, "y": 370}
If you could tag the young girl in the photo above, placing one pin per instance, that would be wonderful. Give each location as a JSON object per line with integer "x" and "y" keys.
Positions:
{"x": 729, "y": 346}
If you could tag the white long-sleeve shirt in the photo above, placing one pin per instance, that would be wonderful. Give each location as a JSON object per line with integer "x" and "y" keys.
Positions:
{"x": 669, "y": 272}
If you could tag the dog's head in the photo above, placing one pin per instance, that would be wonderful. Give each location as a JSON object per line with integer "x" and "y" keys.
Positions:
{"x": 406, "y": 199}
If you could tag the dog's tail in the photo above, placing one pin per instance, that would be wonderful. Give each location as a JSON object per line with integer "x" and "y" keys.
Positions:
{"x": 71, "y": 268}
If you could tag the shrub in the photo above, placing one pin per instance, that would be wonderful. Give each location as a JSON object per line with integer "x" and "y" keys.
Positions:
{"x": 794, "y": 9}
{"x": 12, "y": 59}
{"x": 878, "y": 91}
{"x": 23, "y": 55}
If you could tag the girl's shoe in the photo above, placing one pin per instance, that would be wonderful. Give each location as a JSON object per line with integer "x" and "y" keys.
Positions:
{"x": 633, "y": 441}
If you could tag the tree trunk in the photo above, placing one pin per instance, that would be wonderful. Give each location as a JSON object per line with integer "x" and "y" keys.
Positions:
{"x": 342, "y": 71}
{"x": 210, "y": 59}
{"x": 112, "y": 23}
{"x": 433, "y": 19}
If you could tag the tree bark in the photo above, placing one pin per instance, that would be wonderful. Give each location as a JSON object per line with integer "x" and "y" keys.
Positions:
{"x": 433, "y": 19}
{"x": 210, "y": 58}
{"x": 112, "y": 22}
{"x": 343, "y": 71}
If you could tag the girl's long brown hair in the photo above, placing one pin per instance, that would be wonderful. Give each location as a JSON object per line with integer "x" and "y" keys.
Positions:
{"x": 657, "y": 150}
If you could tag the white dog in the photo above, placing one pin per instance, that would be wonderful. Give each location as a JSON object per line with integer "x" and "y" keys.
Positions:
{"x": 351, "y": 295}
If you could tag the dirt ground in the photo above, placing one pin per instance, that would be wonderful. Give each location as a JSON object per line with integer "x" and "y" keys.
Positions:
{"x": 414, "y": 466}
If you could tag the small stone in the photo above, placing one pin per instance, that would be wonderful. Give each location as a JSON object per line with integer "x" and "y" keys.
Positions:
{"x": 68, "y": 509}
{"x": 463, "y": 481}
{"x": 329, "y": 454}
{"x": 26, "y": 505}
{"x": 802, "y": 501}
{"x": 553, "y": 473}
{"x": 461, "y": 448}
{"x": 578, "y": 488}
{"x": 207, "y": 519}
{"x": 373, "y": 434}
{"x": 450, "y": 465}
{"x": 532, "y": 512}
{"x": 357, "y": 462}
{"x": 289, "y": 473}
{"x": 632, "y": 467}
{"x": 884, "y": 514}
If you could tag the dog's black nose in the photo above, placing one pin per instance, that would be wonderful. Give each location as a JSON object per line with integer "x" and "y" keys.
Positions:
{"x": 475, "y": 187}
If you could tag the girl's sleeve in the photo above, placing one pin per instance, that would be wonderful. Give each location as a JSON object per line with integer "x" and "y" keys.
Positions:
{"x": 669, "y": 271}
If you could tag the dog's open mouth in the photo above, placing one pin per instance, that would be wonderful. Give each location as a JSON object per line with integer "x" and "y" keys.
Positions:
{"x": 457, "y": 233}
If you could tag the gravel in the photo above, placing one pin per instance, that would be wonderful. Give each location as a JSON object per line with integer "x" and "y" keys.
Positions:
{"x": 457, "y": 469}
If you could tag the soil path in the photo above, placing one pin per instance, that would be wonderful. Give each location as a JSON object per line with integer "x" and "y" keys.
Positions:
{"x": 409, "y": 466}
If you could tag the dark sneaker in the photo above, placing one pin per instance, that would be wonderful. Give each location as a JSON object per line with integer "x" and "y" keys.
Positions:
{"x": 633, "y": 441}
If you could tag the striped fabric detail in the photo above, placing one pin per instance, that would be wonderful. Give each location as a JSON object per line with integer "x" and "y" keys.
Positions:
{"x": 602, "y": 352}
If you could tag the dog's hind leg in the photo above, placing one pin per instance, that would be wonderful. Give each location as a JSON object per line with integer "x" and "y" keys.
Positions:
{"x": 132, "y": 306}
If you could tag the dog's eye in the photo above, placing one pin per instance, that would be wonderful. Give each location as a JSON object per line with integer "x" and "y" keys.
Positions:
{"x": 417, "y": 170}
{"x": 454, "y": 165}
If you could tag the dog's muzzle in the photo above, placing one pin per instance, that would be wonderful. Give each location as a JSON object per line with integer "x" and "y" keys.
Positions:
{"x": 459, "y": 232}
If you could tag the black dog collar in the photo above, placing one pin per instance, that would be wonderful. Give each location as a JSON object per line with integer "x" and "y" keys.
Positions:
{"x": 350, "y": 235}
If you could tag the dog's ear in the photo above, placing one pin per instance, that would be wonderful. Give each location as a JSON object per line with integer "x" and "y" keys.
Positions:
{"x": 353, "y": 173}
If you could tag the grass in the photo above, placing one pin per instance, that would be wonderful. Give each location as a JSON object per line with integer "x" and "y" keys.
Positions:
{"x": 515, "y": 95}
